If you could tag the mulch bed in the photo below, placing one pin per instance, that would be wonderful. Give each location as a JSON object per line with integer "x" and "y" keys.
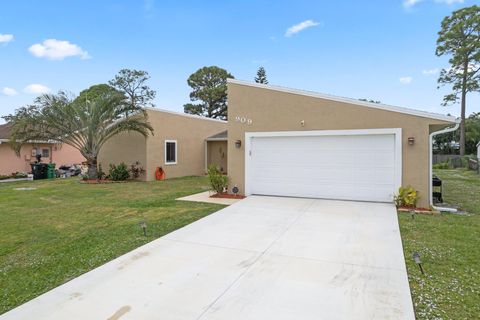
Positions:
{"x": 96, "y": 181}
{"x": 417, "y": 210}
{"x": 227, "y": 196}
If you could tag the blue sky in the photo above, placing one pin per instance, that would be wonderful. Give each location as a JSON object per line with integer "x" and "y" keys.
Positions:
{"x": 382, "y": 50}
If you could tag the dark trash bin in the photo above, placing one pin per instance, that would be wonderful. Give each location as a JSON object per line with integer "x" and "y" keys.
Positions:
{"x": 39, "y": 171}
{"x": 437, "y": 189}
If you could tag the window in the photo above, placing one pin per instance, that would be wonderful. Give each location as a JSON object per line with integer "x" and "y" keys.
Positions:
{"x": 170, "y": 152}
{"x": 45, "y": 153}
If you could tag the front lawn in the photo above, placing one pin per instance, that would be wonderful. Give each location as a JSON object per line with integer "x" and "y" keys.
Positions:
{"x": 450, "y": 249}
{"x": 63, "y": 228}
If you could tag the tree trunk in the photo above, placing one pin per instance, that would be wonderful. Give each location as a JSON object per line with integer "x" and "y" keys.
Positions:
{"x": 462, "y": 125}
{"x": 92, "y": 168}
{"x": 462, "y": 112}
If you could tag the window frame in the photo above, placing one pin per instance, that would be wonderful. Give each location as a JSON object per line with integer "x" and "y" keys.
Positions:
{"x": 48, "y": 152}
{"x": 165, "y": 152}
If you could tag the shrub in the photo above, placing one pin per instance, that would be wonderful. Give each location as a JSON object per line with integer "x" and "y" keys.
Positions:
{"x": 100, "y": 173}
{"x": 406, "y": 197}
{"x": 218, "y": 181}
{"x": 119, "y": 173}
{"x": 442, "y": 165}
{"x": 136, "y": 170}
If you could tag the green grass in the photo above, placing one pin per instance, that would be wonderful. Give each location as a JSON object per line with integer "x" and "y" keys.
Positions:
{"x": 450, "y": 248}
{"x": 63, "y": 228}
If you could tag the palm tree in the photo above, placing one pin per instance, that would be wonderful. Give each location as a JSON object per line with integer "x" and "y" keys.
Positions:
{"x": 84, "y": 125}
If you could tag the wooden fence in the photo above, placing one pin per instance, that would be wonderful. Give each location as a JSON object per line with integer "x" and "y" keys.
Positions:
{"x": 441, "y": 158}
{"x": 456, "y": 161}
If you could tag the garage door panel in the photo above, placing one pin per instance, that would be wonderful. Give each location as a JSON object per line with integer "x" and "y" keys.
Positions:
{"x": 353, "y": 167}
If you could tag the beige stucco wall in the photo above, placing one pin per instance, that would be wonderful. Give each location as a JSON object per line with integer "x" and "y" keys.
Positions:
{"x": 217, "y": 153}
{"x": 190, "y": 133}
{"x": 59, "y": 154}
{"x": 272, "y": 110}
{"x": 126, "y": 147}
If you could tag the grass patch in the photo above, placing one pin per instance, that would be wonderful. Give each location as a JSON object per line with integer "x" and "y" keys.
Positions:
{"x": 450, "y": 248}
{"x": 64, "y": 228}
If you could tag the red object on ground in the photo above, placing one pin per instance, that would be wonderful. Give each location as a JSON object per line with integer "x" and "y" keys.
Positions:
{"x": 227, "y": 196}
{"x": 159, "y": 174}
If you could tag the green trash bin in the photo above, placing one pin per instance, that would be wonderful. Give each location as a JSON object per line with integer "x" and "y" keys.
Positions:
{"x": 51, "y": 171}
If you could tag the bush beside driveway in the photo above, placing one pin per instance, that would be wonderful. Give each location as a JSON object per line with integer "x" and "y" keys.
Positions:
{"x": 450, "y": 250}
{"x": 63, "y": 228}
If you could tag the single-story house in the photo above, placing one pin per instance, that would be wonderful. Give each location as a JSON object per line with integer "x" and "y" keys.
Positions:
{"x": 10, "y": 162}
{"x": 478, "y": 150}
{"x": 287, "y": 142}
{"x": 182, "y": 145}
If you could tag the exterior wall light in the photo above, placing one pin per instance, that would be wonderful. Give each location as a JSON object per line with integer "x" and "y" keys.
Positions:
{"x": 238, "y": 144}
{"x": 411, "y": 140}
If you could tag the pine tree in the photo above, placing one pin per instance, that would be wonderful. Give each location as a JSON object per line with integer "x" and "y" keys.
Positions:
{"x": 261, "y": 76}
{"x": 209, "y": 87}
{"x": 459, "y": 38}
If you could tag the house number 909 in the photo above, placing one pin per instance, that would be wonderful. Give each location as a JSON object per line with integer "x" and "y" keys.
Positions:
{"x": 243, "y": 120}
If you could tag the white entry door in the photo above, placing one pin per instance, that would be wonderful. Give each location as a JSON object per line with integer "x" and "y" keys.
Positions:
{"x": 360, "y": 165}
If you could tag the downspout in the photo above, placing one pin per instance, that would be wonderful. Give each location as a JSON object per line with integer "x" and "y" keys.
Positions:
{"x": 433, "y": 134}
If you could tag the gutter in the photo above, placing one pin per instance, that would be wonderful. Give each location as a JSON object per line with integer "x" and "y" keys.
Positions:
{"x": 433, "y": 134}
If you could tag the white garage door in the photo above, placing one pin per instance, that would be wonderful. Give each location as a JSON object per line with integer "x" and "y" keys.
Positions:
{"x": 332, "y": 166}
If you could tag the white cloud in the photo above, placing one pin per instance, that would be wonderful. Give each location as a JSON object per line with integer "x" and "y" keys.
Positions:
{"x": 410, "y": 3}
{"x": 57, "y": 50}
{"x": 449, "y": 2}
{"x": 148, "y": 4}
{"x": 430, "y": 72}
{"x": 299, "y": 27}
{"x": 9, "y": 91}
{"x": 36, "y": 88}
{"x": 5, "y": 38}
{"x": 405, "y": 80}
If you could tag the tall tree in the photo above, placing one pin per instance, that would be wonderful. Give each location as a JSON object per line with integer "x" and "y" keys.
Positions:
{"x": 209, "y": 86}
{"x": 261, "y": 76}
{"x": 94, "y": 92}
{"x": 459, "y": 38}
{"x": 133, "y": 84}
{"x": 84, "y": 125}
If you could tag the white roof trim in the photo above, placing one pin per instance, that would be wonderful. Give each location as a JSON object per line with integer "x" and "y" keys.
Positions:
{"x": 216, "y": 139}
{"x": 380, "y": 106}
{"x": 32, "y": 142}
{"x": 184, "y": 114}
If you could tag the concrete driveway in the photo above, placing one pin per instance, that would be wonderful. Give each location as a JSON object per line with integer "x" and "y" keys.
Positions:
{"x": 261, "y": 258}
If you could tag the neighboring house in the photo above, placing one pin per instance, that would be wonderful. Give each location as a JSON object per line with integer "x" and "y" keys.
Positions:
{"x": 286, "y": 142}
{"x": 478, "y": 150}
{"x": 10, "y": 162}
{"x": 182, "y": 145}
